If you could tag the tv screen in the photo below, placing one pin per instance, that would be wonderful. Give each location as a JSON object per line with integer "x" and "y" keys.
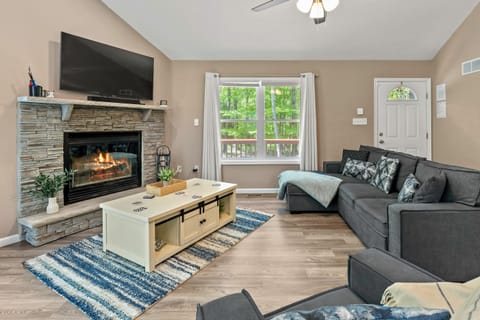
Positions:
{"x": 96, "y": 68}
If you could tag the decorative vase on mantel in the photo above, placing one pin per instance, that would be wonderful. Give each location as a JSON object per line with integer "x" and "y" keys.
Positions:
{"x": 52, "y": 205}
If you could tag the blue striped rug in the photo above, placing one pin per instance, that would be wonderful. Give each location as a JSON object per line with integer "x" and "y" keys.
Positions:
{"x": 107, "y": 286}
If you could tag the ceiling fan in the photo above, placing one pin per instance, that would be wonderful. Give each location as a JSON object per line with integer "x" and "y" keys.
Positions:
{"x": 318, "y": 8}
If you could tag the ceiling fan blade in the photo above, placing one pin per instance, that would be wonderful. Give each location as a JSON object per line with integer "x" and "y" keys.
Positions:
{"x": 268, "y": 4}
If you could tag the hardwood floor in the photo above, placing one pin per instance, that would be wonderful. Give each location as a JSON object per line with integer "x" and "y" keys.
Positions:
{"x": 287, "y": 259}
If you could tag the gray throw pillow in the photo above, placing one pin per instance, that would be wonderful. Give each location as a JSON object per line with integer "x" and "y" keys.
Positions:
{"x": 385, "y": 173}
{"x": 410, "y": 186}
{"x": 354, "y": 155}
{"x": 361, "y": 170}
{"x": 431, "y": 189}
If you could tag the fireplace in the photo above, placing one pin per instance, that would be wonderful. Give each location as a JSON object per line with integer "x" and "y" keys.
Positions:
{"x": 102, "y": 163}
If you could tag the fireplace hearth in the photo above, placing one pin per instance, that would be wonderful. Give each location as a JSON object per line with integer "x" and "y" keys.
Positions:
{"x": 102, "y": 163}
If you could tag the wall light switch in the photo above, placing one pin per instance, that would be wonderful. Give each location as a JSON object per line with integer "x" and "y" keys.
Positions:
{"x": 359, "y": 121}
{"x": 360, "y": 111}
{"x": 196, "y": 122}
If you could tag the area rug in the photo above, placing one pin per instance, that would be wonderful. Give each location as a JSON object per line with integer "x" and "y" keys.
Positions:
{"x": 107, "y": 286}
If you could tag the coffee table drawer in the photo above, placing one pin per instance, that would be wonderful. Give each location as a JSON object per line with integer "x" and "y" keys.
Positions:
{"x": 190, "y": 228}
{"x": 198, "y": 222}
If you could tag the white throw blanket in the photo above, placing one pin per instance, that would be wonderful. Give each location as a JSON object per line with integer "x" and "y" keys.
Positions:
{"x": 320, "y": 187}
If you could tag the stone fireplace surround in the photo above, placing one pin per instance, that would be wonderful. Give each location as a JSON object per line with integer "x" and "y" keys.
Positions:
{"x": 40, "y": 132}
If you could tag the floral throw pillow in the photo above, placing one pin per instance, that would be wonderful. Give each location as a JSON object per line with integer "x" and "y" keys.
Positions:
{"x": 362, "y": 170}
{"x": 366, "y": 312}
{"x": 410, "y": 186}
{"x": 384, "y": 174}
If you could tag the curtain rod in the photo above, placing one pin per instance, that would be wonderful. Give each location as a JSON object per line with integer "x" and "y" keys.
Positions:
{"x": 232, "y": 75}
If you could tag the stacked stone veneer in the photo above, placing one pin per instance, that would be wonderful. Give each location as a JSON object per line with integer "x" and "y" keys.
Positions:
{"x": 40, "y": 132}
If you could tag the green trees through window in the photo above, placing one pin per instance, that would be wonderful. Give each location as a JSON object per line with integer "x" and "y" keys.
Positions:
{"x": 260, "y": 122}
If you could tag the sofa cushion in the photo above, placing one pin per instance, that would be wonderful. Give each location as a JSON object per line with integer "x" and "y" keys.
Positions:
{"x": 353, "y": 191}
{"x": 431, "y": 190}
{"x": 346, "y": 179}
{"x": 374, "y": 212}
{"x": 463, "y": 184}
{"x": 410, "y": 186}
{"x": 354, "y": 155}
{"x": 385, "y": 173}
{"x": 374, "y": 154}
{"x": 407, "y": 165}
{"x": 362, "y": 170}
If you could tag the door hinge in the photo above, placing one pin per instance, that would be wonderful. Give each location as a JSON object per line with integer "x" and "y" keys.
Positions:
{"x": 426, "y": 135}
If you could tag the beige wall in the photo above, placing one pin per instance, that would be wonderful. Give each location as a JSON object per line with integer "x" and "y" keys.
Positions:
{"x": 341, "y": 86}
{"x": 30, "y": 35}
{"x": 456, "y": 138}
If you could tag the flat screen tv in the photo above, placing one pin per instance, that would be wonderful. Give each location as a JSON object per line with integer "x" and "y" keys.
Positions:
{"x": 99, "y": 69}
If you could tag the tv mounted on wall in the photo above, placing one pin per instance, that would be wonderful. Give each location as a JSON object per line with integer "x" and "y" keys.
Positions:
{"x": 108, "y": 72}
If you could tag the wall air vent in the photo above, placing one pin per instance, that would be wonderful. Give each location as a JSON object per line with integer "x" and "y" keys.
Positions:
{"x": 471, "y": 66}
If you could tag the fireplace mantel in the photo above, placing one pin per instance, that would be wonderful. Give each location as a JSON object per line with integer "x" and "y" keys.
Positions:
{"x": 67, "y": 105}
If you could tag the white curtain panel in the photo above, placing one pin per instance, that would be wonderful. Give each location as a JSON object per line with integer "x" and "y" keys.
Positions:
{"x": 308, "y": 124}
{"x": 211, "y": 168}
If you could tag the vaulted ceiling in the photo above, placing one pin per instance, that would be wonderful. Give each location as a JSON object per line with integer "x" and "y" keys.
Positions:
{"x": 356, "y": 30}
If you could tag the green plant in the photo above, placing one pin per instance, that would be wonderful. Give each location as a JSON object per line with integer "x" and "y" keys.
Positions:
{"x": 47, "y": 186}
{"x": 166, "y": 174}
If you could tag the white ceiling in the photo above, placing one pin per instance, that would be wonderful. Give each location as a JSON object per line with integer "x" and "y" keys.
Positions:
{"x": 356, "y": 30}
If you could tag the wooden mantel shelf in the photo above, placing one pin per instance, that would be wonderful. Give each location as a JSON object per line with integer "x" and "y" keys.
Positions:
{"x": 68, "y": 105}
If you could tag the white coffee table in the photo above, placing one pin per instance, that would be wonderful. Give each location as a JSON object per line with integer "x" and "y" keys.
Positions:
{"x": 132, "y": 224}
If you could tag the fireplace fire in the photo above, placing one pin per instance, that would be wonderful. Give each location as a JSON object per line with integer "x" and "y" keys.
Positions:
{"x": 103, "y": 166}
{"x": 102, "y": 163}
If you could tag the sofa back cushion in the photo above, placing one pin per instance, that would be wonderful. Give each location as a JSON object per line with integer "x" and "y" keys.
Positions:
{"x": 406, "y": 166}
{"x": 354, "y": 155}
{"x": 374, "y": 153}
{"x": 463, "y": 184}
{"x": 431, "y": 190}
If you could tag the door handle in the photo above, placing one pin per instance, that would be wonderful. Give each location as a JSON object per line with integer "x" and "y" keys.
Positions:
{"x": 381, "y": 141}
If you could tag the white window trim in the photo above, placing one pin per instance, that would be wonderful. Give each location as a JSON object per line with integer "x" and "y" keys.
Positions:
{"x": 259, "y": 82}
{"x": 255, "y": 162}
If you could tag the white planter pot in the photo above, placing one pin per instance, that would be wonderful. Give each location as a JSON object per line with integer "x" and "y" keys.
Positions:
{"x": 165, "y": 183}
{"x": 52, "y": 205}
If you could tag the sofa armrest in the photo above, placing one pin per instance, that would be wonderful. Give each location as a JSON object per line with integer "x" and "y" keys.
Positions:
{"x": 331, "y": 166}
{"x": 237, "y": 306}
{"x": 371, "y": 271}
{"x": 440, "y": 237}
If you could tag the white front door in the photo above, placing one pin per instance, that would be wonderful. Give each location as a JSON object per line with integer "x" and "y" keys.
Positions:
{"x": 403, "y": 115}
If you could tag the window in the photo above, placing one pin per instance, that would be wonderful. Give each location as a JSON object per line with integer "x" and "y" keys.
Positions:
{"x": 401, "y": 94}
{"x": 260, "y": 119}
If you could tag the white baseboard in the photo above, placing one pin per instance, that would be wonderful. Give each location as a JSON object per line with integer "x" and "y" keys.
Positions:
{"x": 10, "y": 240}
{"x": 257, "y": 190}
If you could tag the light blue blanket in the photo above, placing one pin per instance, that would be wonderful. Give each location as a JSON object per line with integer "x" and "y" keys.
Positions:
{"x": 320, "y": 187}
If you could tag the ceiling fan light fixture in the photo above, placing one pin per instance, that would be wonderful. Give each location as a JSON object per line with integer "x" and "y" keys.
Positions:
{"x": 317, "y": 10}
{"x": 304, "y": 6}
{"x": 330, "y": 5}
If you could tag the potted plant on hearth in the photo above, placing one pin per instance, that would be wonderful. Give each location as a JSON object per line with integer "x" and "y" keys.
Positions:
{"x": 166, "y": 175}
{"x": 47, "y": 187}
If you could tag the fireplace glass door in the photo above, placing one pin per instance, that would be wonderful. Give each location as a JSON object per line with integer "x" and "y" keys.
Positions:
{"x": 102, "y": 163}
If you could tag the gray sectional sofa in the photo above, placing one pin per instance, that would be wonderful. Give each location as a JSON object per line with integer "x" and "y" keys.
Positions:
{"x": 370, "y": 272}
{"x": 440, "y": 237}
